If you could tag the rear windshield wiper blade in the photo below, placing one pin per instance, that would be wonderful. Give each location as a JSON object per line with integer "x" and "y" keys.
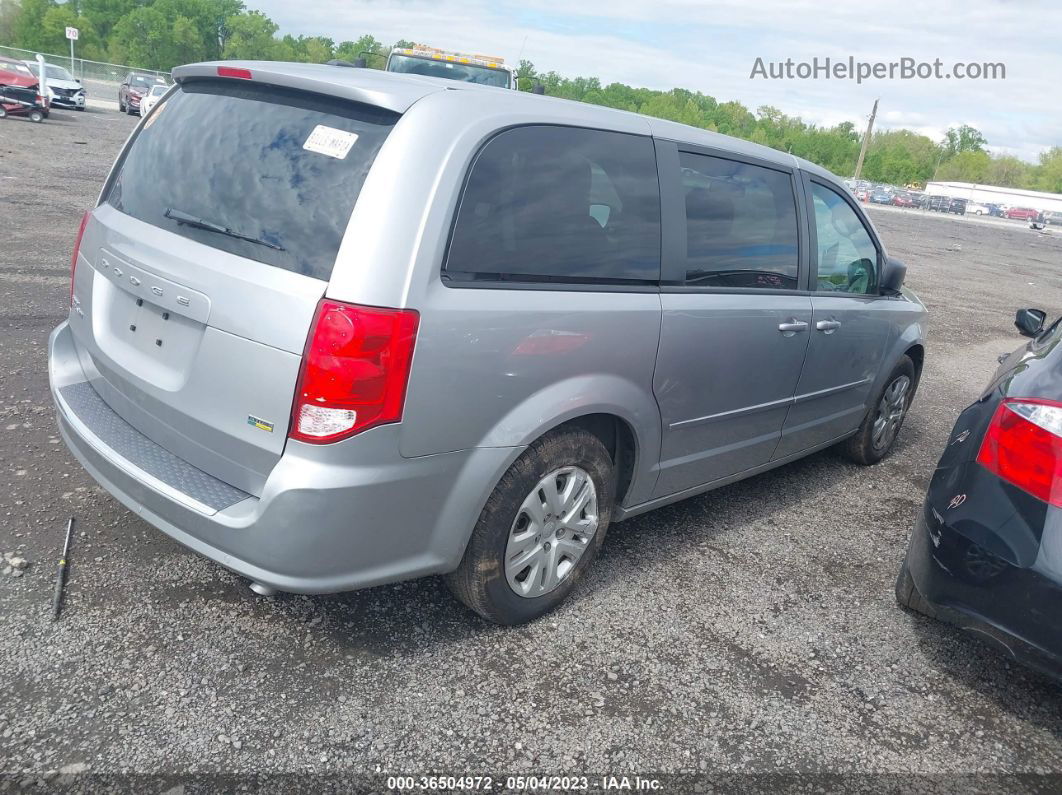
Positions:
{"x": 185, "y": 219}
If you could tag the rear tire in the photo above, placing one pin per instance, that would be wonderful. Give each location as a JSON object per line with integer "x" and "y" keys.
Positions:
{"x": 3, "y": 112}
{"x": 507, "y": 531}
{"x": 907, "y": 594}
{"x": 36, "y": 116}
{"x": 877, "y": 434}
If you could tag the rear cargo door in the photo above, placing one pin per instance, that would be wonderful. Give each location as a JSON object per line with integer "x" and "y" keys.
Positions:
{"x": 201, "y": 269}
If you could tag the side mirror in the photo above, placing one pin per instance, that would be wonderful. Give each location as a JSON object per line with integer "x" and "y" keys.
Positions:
{"x": 892, "y": 276}
{"x": 1030, "y": 322}
{"x": 538, "y": 88}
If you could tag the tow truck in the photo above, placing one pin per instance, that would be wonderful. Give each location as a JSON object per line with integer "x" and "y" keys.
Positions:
{"x": 419, "y": 59}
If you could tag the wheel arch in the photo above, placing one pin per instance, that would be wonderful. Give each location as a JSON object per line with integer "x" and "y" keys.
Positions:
{"x": 619, "y": 439}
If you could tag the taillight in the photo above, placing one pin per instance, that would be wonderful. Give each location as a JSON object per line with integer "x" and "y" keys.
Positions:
{"x": 77, "y": 248}
{"x": 354, "y": 371}
{"x": 1023, "y": 446}
{"x": 232, "y": 71}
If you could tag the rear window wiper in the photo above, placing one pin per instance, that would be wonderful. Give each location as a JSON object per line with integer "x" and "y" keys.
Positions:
{"x": 185, "y": 219}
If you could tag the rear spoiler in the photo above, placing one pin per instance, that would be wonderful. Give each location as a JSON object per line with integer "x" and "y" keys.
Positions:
{"x": 371, "y": 87}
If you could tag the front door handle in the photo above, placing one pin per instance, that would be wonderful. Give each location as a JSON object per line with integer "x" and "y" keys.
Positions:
{"x": 792, "y": 326}
{"x": 829, "y": 326}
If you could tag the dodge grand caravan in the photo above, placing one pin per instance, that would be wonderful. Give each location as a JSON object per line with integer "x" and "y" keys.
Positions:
{"x": 333, "y": 328}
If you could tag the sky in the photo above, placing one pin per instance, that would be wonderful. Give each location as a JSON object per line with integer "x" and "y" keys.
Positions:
{"x": 712, "y": 47}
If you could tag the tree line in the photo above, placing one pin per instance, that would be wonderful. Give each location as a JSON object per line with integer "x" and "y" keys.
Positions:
{"x": 160, "y": 34}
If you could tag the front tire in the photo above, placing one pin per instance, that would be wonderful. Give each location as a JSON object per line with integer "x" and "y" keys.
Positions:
{"x": 539, "y": 531}
{"x": 876, "y": 435}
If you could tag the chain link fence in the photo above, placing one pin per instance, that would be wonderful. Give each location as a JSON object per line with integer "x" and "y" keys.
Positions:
{"x": 96, "y": 71}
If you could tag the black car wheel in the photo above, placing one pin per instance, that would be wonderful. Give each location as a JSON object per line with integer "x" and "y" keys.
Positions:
{"x": 907, "y": 594}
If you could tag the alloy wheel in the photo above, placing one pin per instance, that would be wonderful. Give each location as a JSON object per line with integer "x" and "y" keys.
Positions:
{"x": 890, "y": 413}
{"x": 551, "y": 531}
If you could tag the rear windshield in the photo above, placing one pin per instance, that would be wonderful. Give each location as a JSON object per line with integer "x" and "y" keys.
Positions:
{"x": 280, "y": 170}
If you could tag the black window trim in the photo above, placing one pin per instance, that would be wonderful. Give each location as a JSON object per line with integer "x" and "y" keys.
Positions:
{"x": 673, "y": 269}
{"x": 813, "y": 258}
{"x": 470, "y": 280}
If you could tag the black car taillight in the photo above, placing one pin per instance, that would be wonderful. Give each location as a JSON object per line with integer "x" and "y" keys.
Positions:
{"x": 1023, "y": 446}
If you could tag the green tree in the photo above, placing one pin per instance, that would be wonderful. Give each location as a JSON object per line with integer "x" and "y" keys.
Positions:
{"x": 525, "y": 75}
{"x": 963, "y": 139}
{"x": 968, "y": 166}
{"x": 1049, "y": 174}
{"x": 28, "y": 25}
{"x": 250, "y": 37}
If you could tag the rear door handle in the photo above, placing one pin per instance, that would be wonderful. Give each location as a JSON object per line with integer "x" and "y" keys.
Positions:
{"x": 829, "y": 326}
{"x": 791, "y": 327}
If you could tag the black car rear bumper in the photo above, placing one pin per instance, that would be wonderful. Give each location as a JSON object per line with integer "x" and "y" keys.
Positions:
{"x": 1017, "y": 609}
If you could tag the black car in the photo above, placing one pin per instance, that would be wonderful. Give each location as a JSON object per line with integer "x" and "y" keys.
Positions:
{"x": 944, "y": 204}
{"x": 986, "y": 551}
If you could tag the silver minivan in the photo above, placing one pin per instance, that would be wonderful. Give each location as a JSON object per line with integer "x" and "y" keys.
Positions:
{"x": 333, "y": 327}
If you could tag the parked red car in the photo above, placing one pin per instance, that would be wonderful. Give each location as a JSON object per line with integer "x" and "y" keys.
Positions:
{"x": 903, "y": 200}
{"x": 1021, "y": 213}
{"x": 25, "y": 98}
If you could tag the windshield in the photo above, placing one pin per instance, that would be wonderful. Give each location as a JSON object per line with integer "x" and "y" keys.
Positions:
{"x": 157, "y": 91}
{"x": 276, "y": 184}
{"x": 468, "y": 73}
{"x": 140, "y": 81}
{"x": 58, "y": 73}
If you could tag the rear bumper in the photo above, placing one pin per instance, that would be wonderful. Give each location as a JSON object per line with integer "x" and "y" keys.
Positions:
{"x": 1017, "y": 609}
{"x": 331, "y": 518}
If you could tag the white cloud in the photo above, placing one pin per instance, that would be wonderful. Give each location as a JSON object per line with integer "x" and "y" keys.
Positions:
{"x": 711, "y": 47}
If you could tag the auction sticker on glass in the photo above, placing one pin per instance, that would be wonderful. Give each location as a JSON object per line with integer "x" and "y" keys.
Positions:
{"x": 329, "y": 141}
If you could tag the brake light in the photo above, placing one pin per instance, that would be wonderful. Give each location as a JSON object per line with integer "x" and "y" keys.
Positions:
{"x": 77, "y": 248}
{"x": 232, "y": 71}
{"x": 1023, "y": 446}
{"x": 354, "y": 371}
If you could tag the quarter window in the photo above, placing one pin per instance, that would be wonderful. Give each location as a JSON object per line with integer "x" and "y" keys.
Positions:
{"x": 847, "y": 258}
{"x": 741, "y": 224}
{"x": 559, "y": 204}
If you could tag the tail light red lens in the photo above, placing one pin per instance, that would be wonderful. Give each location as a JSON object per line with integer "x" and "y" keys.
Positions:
{"x": 1023, "y": 446}
{"x": 354, "y": 371}
{"x": 77, "y": 248}
{"x": 232, "y": 71}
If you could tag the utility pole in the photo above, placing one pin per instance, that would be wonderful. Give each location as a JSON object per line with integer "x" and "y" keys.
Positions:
{"x": 866, "y": 141}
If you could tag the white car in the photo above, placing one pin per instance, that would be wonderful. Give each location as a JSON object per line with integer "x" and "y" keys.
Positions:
{"x": 974, "y": 208}
{"x": 152, "y": 97}
{"x": 64, "y": 90}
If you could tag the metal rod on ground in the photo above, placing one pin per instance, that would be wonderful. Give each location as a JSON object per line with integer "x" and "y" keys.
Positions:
{"x": 60, "y": 577}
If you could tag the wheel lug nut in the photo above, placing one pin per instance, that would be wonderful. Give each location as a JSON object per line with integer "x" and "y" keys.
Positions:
{"x": 547, "y": 546}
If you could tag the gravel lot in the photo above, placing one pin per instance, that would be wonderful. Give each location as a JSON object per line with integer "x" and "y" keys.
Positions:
{"x": 750, "y": 630}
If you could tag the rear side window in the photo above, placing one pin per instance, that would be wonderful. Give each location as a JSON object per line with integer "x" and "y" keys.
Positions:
{"x": 741, "y": 224}
{"x": 279, "y": 169}
{"x": 559, "y": 204}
